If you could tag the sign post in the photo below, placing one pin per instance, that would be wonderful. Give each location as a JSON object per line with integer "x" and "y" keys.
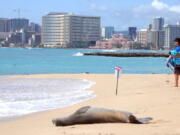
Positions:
{"x": 118, "y": 72}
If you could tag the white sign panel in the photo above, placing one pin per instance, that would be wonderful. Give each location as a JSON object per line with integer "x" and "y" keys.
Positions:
{"x": 118, "y": 71}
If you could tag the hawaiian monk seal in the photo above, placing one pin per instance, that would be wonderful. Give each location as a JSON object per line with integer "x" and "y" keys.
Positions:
{"x": 92, "y": 115}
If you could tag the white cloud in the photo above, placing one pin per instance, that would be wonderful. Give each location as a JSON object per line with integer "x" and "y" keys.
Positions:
{"x": 138, "y": 16}
{"x": 157, "y": 8}
{"x": 175, "y": 8}
{"x": 159, "y": 5}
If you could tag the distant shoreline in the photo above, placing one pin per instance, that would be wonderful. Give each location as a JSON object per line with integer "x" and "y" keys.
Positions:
{"x": 89, "y": 48}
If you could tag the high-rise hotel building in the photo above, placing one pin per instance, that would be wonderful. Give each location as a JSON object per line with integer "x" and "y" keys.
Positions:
{"x": 69, "y": 30}
{"x": 4, "y": 25}
{"x": 13, "y": 25}
{"x": 158, "y": 24}
{"x": 17, "y": 24}
{"x": 171, "y": 32}
{"x": 107, "y": 32}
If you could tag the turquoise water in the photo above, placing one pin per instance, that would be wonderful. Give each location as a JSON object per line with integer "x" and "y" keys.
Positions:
{"x": 15, "y": 61}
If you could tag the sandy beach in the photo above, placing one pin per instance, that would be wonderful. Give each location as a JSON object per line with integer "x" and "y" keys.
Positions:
{"x": 144, "y": 95}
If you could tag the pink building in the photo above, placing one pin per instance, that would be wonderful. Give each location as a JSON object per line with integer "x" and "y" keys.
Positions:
{"x": 116, "y": 40}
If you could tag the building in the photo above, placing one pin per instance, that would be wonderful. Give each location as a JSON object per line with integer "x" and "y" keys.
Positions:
{"x": 117, "y": 41}
{"x": 26, "y": 35}
{"x": 161, "y": 39}
{"x": 15, "y": 38}
{"x": 20, "y": 38}
{"x": 18, "y": 24}
{"x": 69, "y": 30}
{"x": 142, "y": 36}
{"x": 35, "y": 40}
{"x": 3, "y": 35}
{"x": 18, "y": 32}
{"x": 4, "y": 25}
{"x": 156, "y": 39}
{"x": 149, "y": 27}
{"x": 158, "y": 24}
{"x": 171, "y": 32}
{"x": 33, "y": 27}
{"x": 132, "y": 32}
{"x": 107, "y": 32}
{"x": 156, "y": 34}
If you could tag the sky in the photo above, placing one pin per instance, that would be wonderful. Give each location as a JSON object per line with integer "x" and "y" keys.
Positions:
{"x": 118, "y": 13}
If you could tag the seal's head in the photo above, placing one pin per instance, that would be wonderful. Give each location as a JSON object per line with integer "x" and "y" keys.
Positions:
{"x": 62, "y": 121}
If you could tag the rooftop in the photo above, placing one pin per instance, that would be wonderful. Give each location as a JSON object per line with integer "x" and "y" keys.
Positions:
{"x": 58, "y": 13}
{"x": 70, "y": 14}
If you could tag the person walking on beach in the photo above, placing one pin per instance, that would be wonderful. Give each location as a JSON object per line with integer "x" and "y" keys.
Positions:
{"x": 175, "y": 60}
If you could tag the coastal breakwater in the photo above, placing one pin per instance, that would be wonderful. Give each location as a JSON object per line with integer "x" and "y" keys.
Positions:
{"x": 126, "y": 54}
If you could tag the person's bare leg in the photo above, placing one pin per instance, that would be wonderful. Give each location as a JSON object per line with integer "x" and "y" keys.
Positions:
{"x": 176, "y": 80}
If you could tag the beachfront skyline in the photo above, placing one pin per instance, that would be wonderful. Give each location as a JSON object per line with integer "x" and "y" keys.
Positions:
{"x": 120, "y": 14}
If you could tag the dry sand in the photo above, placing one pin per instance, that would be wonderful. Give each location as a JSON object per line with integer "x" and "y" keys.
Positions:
{"x": 144, "y": 95}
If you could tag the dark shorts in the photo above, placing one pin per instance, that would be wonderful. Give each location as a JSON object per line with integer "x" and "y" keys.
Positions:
{"x": 177, "y": 70}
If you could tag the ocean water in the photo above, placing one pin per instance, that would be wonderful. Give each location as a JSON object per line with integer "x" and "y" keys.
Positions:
{"x": 15, "y": 61}
{"x": 22, "y": 96}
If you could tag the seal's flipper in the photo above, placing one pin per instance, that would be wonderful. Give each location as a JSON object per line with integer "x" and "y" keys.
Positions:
{"x": 145, "y": 120}
{"x": 82, "y": 110}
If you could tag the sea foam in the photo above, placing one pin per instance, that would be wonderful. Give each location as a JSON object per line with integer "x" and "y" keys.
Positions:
{"x": 22, "y": 96}
{"x": 78, "y": 54}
